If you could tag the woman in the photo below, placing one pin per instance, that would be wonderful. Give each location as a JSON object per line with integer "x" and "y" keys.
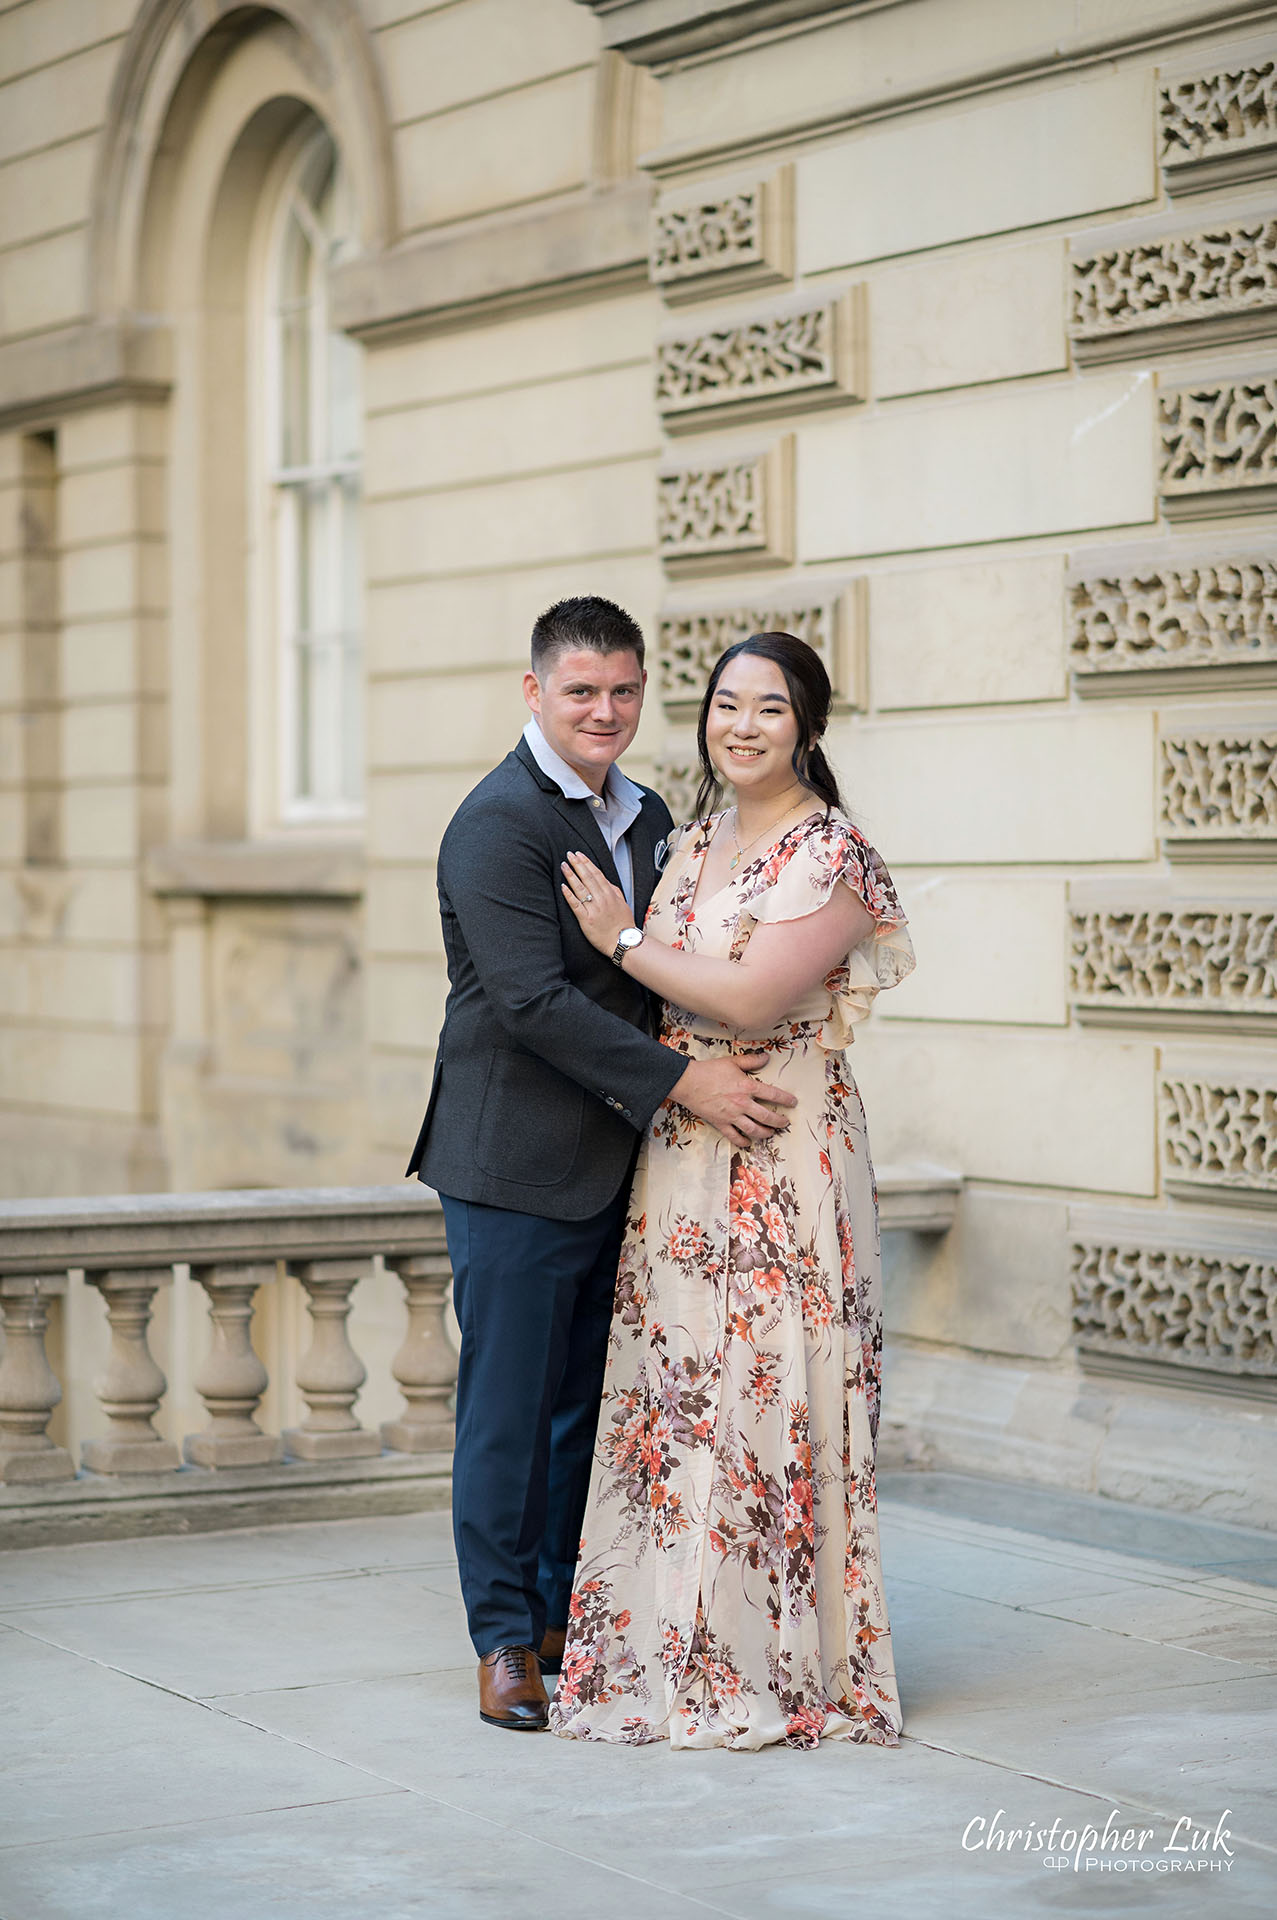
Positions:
{"x": 729, "y": 1590}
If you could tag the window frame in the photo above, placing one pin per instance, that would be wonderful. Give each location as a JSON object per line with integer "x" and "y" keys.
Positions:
{"x": 277, "y": 802}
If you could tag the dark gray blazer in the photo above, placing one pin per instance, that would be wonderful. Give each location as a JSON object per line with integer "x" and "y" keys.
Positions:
{"x": 547, "y": 1071}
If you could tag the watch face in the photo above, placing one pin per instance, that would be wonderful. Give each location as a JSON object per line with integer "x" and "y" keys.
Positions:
{"x": 631, "y": 937}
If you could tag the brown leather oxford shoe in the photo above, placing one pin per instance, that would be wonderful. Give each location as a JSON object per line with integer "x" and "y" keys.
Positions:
{"x": 511, "y": 1691}
{"x": 550, "y": 1652}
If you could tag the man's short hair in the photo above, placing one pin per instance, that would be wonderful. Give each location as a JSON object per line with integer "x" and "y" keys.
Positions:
{"x": 588, "y": 622}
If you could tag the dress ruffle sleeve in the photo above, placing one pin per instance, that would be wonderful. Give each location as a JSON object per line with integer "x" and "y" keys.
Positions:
{"x": 799, "y": 878}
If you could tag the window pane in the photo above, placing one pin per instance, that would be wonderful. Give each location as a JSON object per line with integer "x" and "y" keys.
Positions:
{"x": 295, "y": 346}
{"x": 352, "y": 713}
{"x": 301, "y": 561}
{"x": 344, "y": 421}
{"x": 320, "y": 419}
{"x": 351, "y": 559}
{"x": 303, "y": 746}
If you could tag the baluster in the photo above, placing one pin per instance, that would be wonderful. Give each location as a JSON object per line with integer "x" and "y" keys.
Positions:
{"x": 231, "y": 1379}
{"x": 425, "y": 1365}
{"x": 131, "y": 1385}
{"x": 331, "y": 1372}
{"x": 29, "y": 1389}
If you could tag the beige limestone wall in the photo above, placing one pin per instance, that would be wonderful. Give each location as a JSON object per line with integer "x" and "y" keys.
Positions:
{"x": 507, "y": 466}
{"x": 85, "y": 996}
{"x": 990, "y": 464}
{"x": 491, "y": 104}
{"x": 56, "y": 63}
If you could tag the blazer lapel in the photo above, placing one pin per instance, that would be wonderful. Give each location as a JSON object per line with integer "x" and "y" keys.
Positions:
{"x": 642, "y": 862}
{"x": 586, "y": 833}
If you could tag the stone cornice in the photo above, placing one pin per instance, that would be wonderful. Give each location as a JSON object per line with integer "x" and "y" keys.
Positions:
{"x": 652, "y": 32}
{"x": 693, "y": 156}
{"x": 590, "y": 246}
{"x": 92, "y": 365}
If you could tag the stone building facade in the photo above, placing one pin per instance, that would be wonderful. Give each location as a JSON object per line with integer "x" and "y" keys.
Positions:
{"x": 339, "y": 336}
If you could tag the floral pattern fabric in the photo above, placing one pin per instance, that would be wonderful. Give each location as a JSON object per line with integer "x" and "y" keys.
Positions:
{"x": 729, "y": 1588}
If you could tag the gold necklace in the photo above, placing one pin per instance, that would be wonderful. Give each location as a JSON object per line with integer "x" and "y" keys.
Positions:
{"x": 735, "y": 860}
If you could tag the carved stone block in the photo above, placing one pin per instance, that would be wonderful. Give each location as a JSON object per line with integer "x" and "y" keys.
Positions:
{"x": 720, "y": 240}
{"x": 676, "y": 781}
{"x": 1218, "y": 447}
{"x": 1210, "y": 1307}
{"x": 1218, "y": 791}
{"x": 1177, "y": 620}
{"x": 1219, "y": 1134}
{"x": 728, "y": 513}
{"x": 1219, "y": 128}
{"x": 690, "y": 639}
{"x": 785, "y": 361}
{"x": 1209, "y": 288}
{"x": 1191, "y": 964}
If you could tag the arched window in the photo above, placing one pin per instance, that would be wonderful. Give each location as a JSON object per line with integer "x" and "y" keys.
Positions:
{"x": 313, "y": 468}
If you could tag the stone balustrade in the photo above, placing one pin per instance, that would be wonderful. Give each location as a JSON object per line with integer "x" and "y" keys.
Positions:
{"x": 236, "y": 1244}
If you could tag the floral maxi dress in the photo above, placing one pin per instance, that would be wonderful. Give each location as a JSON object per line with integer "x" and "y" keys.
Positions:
{"x": 729, "y": 1589}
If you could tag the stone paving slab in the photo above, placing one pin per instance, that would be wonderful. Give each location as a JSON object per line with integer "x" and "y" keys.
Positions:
{"x": 89, "y": 1751}
{"x": 279, "y": 1724}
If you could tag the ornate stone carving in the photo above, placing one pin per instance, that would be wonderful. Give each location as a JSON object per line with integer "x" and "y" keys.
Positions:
{"x": 1218, "y": 128}
{"x": 784, "y": 361}
{"x": 1219, "y": 447}
{"x": 708, "y": 236}
{"x": 690, "y": 639}
{"x": 1178, "y": 960}
{"x": 676, "y": 781}
{"x": 1210, "y": 1308}
{"x": 718, "y": 240}
{"x": 728, "y": 514}
{"x": 1218, "y": 285}
{"x": 1219, "y": 788}
{"x": 1221, "y": 614}
{"x": 1219, "y": 1131}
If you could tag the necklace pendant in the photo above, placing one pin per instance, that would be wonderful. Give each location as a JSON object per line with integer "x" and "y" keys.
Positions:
{"x": 733, "y": 863}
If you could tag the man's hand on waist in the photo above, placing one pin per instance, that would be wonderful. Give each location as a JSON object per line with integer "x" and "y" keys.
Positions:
{"x": 725, "y": 1093}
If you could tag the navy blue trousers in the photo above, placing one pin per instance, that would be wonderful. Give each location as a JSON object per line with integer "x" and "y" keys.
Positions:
{"x": 533, "y": 1299}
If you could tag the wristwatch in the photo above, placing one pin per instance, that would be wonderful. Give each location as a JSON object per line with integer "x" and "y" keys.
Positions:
{"x": 630, "y": 938}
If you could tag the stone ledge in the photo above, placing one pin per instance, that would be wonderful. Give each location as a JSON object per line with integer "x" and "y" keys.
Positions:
{"x": 1136, "y": 682}
{"x": 245, "y": 1225}
{"x": 917, "y": 1197}
{"x": 205, "y": 1500}
{"x": 592, "y": 246}
{"x": 100, "y": 363}
{"x": 240, "y": 869}
{"x": 651, "y": 32}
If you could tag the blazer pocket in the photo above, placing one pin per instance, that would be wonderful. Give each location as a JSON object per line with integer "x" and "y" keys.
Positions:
{"x": 529, "y": 1123}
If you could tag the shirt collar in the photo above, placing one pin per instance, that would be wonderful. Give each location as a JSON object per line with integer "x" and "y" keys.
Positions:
{"x": 618, "y": 789}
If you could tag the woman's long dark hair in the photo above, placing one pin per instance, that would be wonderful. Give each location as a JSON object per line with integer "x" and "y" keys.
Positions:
{"x": 810, "y": 695}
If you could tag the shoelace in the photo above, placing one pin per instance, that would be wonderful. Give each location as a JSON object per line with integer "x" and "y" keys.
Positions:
{"x": 515, "y": 1659}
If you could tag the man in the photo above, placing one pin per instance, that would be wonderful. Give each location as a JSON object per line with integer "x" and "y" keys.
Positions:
{"x": 546, "y": 1076}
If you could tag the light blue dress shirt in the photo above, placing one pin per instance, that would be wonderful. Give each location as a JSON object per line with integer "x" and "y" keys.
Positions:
{"x": 615, "y": 811}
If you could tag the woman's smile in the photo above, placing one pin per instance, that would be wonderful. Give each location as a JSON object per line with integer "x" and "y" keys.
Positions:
{"x": 751, "y": 729}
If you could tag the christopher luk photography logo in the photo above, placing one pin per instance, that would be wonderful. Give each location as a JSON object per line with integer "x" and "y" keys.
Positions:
{"x": 1183, "y": 1845}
